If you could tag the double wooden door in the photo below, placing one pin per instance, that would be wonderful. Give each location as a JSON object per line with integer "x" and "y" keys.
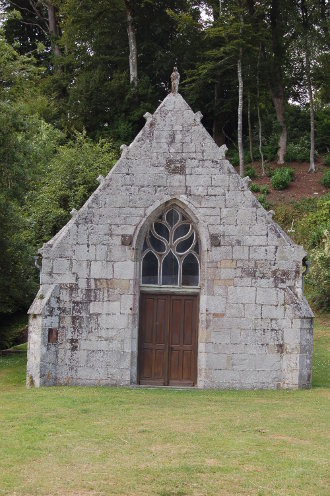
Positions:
{"x": 168, "y": 340}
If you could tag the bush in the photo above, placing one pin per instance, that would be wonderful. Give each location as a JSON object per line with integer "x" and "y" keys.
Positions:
{"x": 269, "y": 171}
{"x": 318, "y": 278}
{"x": 264, "y": 189}
{"x": 326, "y": 179}
{"x": 262, "y": 199}
{"x": 255, "y": 188}
{"x": 251, "y": 172}
{"x": 233, "y": 157}
{"x": 13, "y": 330}
{"x": 298, "y": 152}
{"x": 326, "y": 159}
{"x": 282, "y": 178}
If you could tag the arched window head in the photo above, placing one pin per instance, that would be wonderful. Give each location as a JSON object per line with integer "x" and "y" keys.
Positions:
{"x": 170, "y": 255}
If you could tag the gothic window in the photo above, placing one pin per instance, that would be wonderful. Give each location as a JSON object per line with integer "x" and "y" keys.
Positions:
{"x": 170, "y": 254}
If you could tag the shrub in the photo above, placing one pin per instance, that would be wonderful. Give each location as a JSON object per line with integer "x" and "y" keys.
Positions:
{"x": 251, "y": 172}
{"x": 233, "y": 157}
{"x": 282, "y": 178}
{"x": 326, "y": 179}
{"x": 318, "y": 278}
{"x": 263, "y": 200}
{"x": 298, "y": 152}
{"x": 255, "y": 188}
{"x": 264, "y": 189}
{"x": 310, "y": 228}
{"x": 326, "y": 159}
{"x": 269, "y": 171}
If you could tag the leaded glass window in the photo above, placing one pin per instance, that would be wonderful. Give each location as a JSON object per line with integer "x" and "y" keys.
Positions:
{"x": 170, "y": 255}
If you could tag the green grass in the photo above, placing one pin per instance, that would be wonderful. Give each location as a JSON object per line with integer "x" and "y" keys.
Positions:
{"x": 120, "y": 441}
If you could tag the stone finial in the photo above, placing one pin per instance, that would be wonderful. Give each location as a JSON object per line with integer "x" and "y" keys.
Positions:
{"x": 198, "y": 116}
{"x": 222, "y": 150}
{"x": 123, "y": 149}
{"x": 73, "y": 212}
{"x": 175, "y": 79}
{"x": 147, "y": 116}
{"x": 100, "y": 179}
{"x": 246, "y": 181}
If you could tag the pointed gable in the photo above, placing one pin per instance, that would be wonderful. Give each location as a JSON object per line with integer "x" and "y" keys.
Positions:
{"x": 249, "y": 297}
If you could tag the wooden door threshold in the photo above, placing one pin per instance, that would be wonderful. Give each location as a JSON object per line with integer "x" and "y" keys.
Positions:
{"x": 155, "y": 386}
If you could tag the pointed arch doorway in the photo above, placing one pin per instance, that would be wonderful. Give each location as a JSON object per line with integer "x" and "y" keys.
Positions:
{"x": 169, "y": 302}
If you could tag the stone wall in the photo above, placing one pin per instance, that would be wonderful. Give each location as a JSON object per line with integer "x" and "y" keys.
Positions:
{"x": 255, "y": 328}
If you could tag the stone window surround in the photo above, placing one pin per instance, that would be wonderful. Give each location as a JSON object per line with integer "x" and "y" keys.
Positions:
{"x": 184, "y": 218}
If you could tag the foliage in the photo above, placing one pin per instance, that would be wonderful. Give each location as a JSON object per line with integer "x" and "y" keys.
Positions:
{"x": 12, "y": 330}
{"x": 251, "y": 172}
{"x": 318, "y": 277}
{"x": 68, "y": 182}
{"x": 298, "y": 152}
{"x": 263, "y": 200}
{"x": 24, "y": 140}
{"x": 326, "y": 159}
{"x": 310, "y": 228}
{"x": 264, "y": 189}
{"x": 310, "y": 217}
{"x": 254, "y": 187}
{"x": 325, "y": 180}
{"x": 282, "y": 177}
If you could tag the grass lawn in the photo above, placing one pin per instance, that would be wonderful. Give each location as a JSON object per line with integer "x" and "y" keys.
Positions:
{"x": 100, "y": 441}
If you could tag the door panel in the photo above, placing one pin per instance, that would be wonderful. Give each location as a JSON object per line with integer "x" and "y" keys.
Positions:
{"x": 183, "y": 340}
{"x": 168, "y": 339}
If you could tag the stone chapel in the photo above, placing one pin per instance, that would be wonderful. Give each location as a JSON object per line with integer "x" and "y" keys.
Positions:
{"x": 171, "y": 274}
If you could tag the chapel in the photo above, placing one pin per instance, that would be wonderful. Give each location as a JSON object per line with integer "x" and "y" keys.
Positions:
{"x": 171, "y": 274}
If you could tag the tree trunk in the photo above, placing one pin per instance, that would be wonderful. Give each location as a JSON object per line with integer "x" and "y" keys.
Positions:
{"x": 240, "y": 114}
{"x": 278, "y": 101}
{"x": 276, "y": 83}
{"x": 259, "y": 116}
{"x": 307, "y": 42}
{"x": 218, "y": 134}
{"x": 250, "y": 127}
{"x": 53, "y": 29}
{"x": 311, "y": 111}
{"x": 131, "y": 32}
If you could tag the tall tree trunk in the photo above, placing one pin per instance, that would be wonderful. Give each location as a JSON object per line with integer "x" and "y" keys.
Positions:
{"x": 259, "y": 116}
{"x": 279, "y": 104}
{"x": 53, "y": 29}
{"x": 305, "y": 25}
{"x": 311, "y": 111}
{"x": 240, "y": 114}
{"x": 250, "y": 127}
{"x": 276, "y": 83}
{"x": 131, "y": 32}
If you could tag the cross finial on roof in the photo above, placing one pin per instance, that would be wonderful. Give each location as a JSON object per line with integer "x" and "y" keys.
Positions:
{"x": 175, "y": 78}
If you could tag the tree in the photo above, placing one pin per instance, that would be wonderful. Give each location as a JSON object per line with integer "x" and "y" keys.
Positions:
{"x": 277, "y": 65}
{"x": 131, "y": 30}
{"x": 39, "y": 19}
{"x": 68, "y": 182}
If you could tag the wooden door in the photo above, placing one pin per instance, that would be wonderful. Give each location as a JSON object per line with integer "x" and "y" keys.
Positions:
{"x": 168, "y": 340}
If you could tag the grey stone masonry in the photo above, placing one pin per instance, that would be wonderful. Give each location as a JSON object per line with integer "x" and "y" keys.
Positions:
{"x": 255, "y": 327}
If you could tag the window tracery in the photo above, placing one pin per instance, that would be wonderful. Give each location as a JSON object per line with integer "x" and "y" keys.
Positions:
{"x": 170, "y": 254}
